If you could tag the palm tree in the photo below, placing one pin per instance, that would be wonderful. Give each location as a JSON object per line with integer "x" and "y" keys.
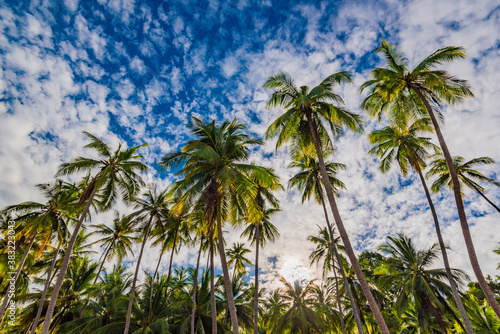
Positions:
{"x": 309, "y": 181}
{"x": 150, "y": 212}
{"x": 326, "y": 252}
{"x": 117, "y": 241}
{"x": 259, "y": 228}
{"x": 43, "y": 220}
{"x": 116, "y": 173}
{"x": 259, "y": 233}
{"x": 402, "y": 92}
{"x": 404, "y": 146}
{"x": 310, "y": 109}
{"x": 466, "y": 174}
{"x": 300, "y": 316}
{"x": 215, "y": 179}
{"x": 407, "y": 270}
{"x": 107, "y": 306}
{"x": 236, "y": 255}
{"x": 275, "y": 307}
{"x": 170, "y": 235}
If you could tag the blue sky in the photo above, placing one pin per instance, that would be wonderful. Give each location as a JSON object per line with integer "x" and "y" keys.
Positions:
{"x": 135, "y": 71}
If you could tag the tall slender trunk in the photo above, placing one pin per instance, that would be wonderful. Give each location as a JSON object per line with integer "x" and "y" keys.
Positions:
{"x": 486, "y": 198}
{"x": 195, "y": 288}
{"x": 460, "y": 206}
{"x": 355, "y": 310}
{"x": 103, "y": 260}
{"x": 227, "y": 280}
{"x": 213, "y": 305}
{"x": 64, "y": 266}
{"x": 158, "y": 264}
{"x": 45, "y": 289}
{"x": 340, "y": 226}
{"x": 453, "y": 285}
{"x": 339, "y": 304}
{"x": 132, "y": 290}
{"x": 6, "y": 298}
{"x": 172, "y": 257}
{"x": 256, "y": 282}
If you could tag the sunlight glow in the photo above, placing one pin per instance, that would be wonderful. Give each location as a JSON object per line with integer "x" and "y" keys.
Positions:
{"x": 294, "y": 269}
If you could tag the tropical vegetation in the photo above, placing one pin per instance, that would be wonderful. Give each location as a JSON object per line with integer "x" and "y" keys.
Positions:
{"x": 75, "y": 270}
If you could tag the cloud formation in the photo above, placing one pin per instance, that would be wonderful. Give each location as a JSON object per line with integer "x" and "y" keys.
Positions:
{"x": 134, "y": 72}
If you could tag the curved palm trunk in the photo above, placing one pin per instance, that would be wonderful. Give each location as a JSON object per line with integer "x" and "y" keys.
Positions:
{"x": 195, "y": 289}
{"x": 227, "y": 279}
{"x": 486, "y": 198}
{"x": 158, "y": 264}
{"x": 6, "y": 299}
{"x": 132, "y": 290}
{"x": 461, "y": 211}
{"x": 64, "y": 266}
{"x": 342, "y": 231}
{"x": 213, "y": 305}
{"x": 256, "y": 284}
{"x": 355, "y": 310}
{"x": 172, "y": 257}
{"x": 435, "y": 313}
{"x": 339, "y": 305}
{"x": 453, "y": 285}
{"x": 45, "y": 289}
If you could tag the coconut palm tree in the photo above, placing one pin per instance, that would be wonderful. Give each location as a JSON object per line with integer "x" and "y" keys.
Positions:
{"x": 259, "y": 230}
{"x": 106, "y": 308}
{"x": 115, "y": 173}
{"x": 215, "y": 178}
{"x": 259, "y": 233}
{"x": 170, "y": 235}
{"x": 310, "y": 109}
{"x": 405, "y": 147}
{"x": 236, "y": 255}
{"x": 327, "y": 253}
{"x": 402, "y": 93}
{"x": 301, "y": 316}
{"x": 408, "y": 270}
{"x": 43, "y": 220}
{"x": 274, "y": 308}
{"x": 150, "y": 211}
{"x": 117, "y": 240}
{"x": 309, "y": 181}
{"x": 466, "y": 175}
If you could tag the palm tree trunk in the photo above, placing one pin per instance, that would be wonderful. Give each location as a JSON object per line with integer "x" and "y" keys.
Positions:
{"x": 195, "y": 288}
{"x": 355, "y": 310}
{"x": 65, "y": 265}
{"x": 171, "y": 257}
{"x": 453, "y": 285}
{"x": 256, "y": 282}
{"x": 131, "y": 300}
{"x": 7, "y": 296}
{"x": 159, "y": 261}
{"x": 213, "y": 305}
{"x": 461, "y": 211}
{"x": 45, "y": 289}
{"x": 342, "y": 231}
{"x": 339, "y": 304}
{"x": 486, "y": 198}
{"x": 227, "y": 279}
{"x": 435, "y": 313}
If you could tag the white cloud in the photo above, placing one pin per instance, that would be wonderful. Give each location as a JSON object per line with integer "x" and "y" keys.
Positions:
{"x": 138, "y": 65}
